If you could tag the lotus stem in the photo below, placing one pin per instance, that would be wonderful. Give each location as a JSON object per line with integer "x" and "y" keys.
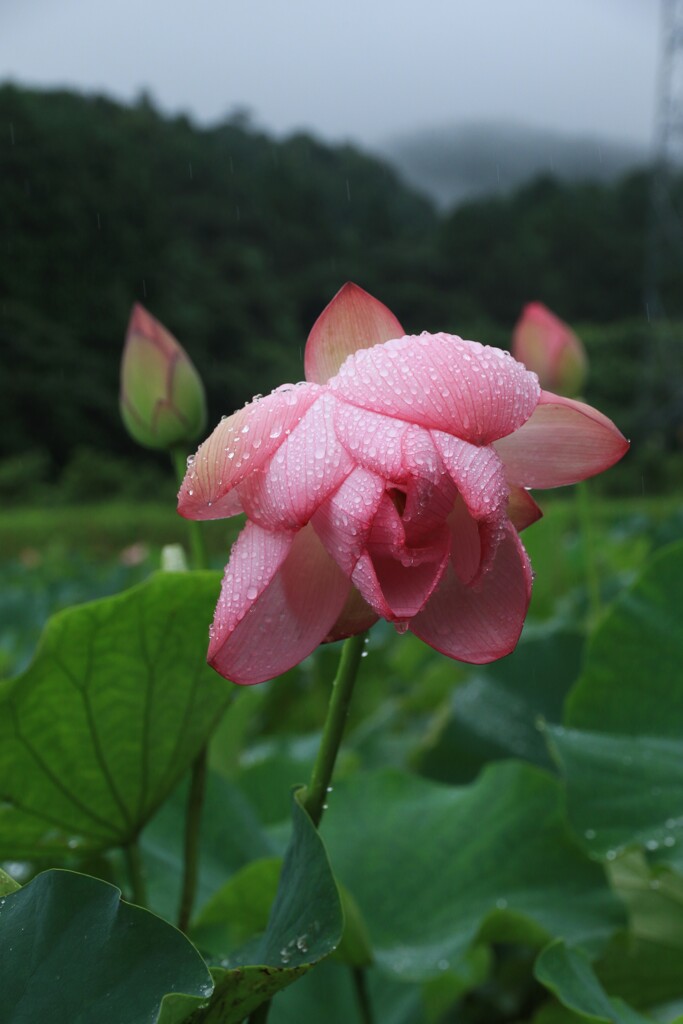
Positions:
{"x": 315, "y": 800}
{"x": 362, "y": 995}
{"x": 136, "y": 874}
{"x": 195, "y": 798}
{"x": 194, "y": 530}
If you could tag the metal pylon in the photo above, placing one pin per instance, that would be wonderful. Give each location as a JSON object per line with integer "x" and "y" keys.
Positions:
{"x": 664, "y": 257}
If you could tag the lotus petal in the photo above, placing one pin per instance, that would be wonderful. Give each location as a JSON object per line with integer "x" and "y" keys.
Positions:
{"x": 355, "y": 617}
{"x": 281, "y": 596}
{"x": 306, "y": 468}
{"x": 352, "y": 320}
{"x": 522, "y": 509}
{"x": 562, "y": 442}
{"x": 241, "y": 444}
{"x": 443, "y": 383}
{"x": 479, "y": 624}
{"x": 344, "y": 521}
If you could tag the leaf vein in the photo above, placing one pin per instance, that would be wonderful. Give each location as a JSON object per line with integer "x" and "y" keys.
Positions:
{"x": 50, "y": 775}
{"x": 98, "y": 749}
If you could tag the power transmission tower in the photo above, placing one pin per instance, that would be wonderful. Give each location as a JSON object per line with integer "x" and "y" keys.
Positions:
{"x": 664, "y": 257}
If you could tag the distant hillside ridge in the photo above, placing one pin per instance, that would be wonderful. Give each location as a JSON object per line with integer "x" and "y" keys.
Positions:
{"x": 454, "y": 163}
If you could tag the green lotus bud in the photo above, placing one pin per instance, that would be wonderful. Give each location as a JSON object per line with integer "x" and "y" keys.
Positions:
{"x": 162, "y": 396}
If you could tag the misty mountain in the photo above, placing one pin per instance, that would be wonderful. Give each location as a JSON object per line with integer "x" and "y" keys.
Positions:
{"x": 460, "y": 162}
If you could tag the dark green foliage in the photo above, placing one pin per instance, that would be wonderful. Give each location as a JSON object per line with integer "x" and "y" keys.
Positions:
{"x": 236, "y": 242}
{"x": 560, "y": 846}
{"x": 232, "y": 240}
{"x": 579, "y": 248}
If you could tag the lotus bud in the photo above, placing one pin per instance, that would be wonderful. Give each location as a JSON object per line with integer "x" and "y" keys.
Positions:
{"x": 546, "y": 345}
{"x": 162, "y": 396}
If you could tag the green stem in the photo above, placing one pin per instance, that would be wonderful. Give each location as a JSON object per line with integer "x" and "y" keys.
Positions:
{"x": 260, "y": 1014}
{"x": 195, "y": 798}
{"x": 362, "y": 995}
{"x": 315, "y": 799}
{"x": 335, "y": 722}
{"x": 588, "y": 546}
{"x": 136, "y": 874}
{"x": 193, "y": 816}
{"x": 194, "y": 532}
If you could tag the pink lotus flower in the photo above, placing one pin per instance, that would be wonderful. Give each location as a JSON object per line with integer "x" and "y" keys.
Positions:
{"x": 392, "y": 483}
{"x": 546, "y": 345}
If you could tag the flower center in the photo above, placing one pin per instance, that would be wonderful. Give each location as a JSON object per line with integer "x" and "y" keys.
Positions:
{"x": 399, "y": 499}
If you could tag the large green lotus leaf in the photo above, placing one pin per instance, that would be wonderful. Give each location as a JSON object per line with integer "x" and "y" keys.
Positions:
{"x": 355, "y": 948}
{"x": 621, "y": 789}
{"x": 440, "y": 994}
{"x": 645, "y": 965}
{"x": 304, "y": 927}
{"x": 642, "y": 972}
{"x": 272, "y": 768}
{"x": 330, "y": 987}
{"x": 327, "y": 996}
{"x": 654, "y": 897}
{"x": 7, "y": 883}
{"x": 569, "y": 976}
{"x": 431, "y": 865}
{"x": 74, "y": 953}
{"x": 324, "y": 994}
{"x": 494, "y": 714}
{"x": 115, "y": 705}
{"x": 235, "y": 730}
{"x": 631, "y": 683}
{"x": 239, "y": 909}
{"x": 231, "y": 836}
{"x": 553, "y": 1012}
{"x": 620, "y": 752}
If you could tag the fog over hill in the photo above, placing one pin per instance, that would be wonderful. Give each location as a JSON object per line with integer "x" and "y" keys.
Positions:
{"x": 454, "y": 163}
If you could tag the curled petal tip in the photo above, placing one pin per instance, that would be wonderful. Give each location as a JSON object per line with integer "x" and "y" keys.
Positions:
{"x": 239, "y": 447}
{"x": 354, "y": 319}
{"x": 562, "y": 442}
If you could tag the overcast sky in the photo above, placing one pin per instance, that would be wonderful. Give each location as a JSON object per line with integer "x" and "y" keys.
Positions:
{"x": 366, "y": 70}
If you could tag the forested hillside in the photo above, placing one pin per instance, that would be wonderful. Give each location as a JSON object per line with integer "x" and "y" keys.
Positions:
{"x": 230, "y": 238}
{"x": 236, "y": 241}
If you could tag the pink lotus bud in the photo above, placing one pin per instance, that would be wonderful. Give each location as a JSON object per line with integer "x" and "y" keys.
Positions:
{"x": 162, "y": 397}
{"x": 546, "y": 345}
